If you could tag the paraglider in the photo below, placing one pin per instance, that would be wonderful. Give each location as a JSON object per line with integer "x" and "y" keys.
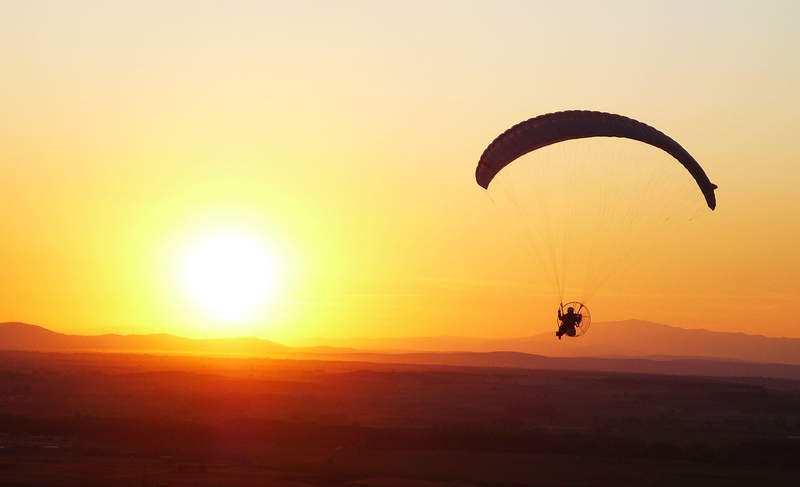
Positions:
{"x": 552, "y": 128}
{"x": 574, "y": 321}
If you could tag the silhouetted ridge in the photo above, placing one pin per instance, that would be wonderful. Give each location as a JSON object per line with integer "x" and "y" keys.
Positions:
{"x": 630, "y": 346}
{"x": 21, "y": 336}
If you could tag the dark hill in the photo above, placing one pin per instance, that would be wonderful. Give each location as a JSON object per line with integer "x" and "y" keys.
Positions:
{"x": 22, "y": 336}
{"x": 630, "y": 338}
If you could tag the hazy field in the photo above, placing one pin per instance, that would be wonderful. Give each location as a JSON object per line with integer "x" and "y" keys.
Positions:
{"x": 92, "y": 419}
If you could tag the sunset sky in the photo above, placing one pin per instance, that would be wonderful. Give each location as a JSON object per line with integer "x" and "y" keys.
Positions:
{"x": 331, "y": 147}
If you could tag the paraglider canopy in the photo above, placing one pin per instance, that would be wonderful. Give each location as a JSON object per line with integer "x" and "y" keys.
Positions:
{"x": 551, "y": 128}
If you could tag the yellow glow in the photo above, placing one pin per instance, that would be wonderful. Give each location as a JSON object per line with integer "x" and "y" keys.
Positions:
{"x": 342, "y": 142}
{"x": 229, "y": 276}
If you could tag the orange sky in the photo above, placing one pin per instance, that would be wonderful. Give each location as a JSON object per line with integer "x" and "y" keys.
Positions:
{"x": 345, "y": 137}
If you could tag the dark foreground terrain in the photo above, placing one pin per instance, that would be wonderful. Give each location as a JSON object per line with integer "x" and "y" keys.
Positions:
{"x": 143, "y": 420}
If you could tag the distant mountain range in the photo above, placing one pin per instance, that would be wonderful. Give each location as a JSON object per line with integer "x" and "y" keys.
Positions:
{"x": 22, "y": 336}
{"x": 628, "y": 346}
{"x": 631, "y": 338}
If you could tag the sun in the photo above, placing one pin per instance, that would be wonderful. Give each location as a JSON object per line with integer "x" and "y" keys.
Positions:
{"x": 230, "y": 276}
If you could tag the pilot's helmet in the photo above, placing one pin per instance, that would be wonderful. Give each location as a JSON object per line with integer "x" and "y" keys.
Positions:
{"x": 570, "y": 309}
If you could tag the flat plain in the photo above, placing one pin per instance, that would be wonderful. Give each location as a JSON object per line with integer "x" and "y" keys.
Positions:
{"x": 137, "y": 419}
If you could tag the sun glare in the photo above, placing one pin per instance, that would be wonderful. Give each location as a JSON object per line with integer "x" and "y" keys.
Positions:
{"x": 230, "y": 276}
